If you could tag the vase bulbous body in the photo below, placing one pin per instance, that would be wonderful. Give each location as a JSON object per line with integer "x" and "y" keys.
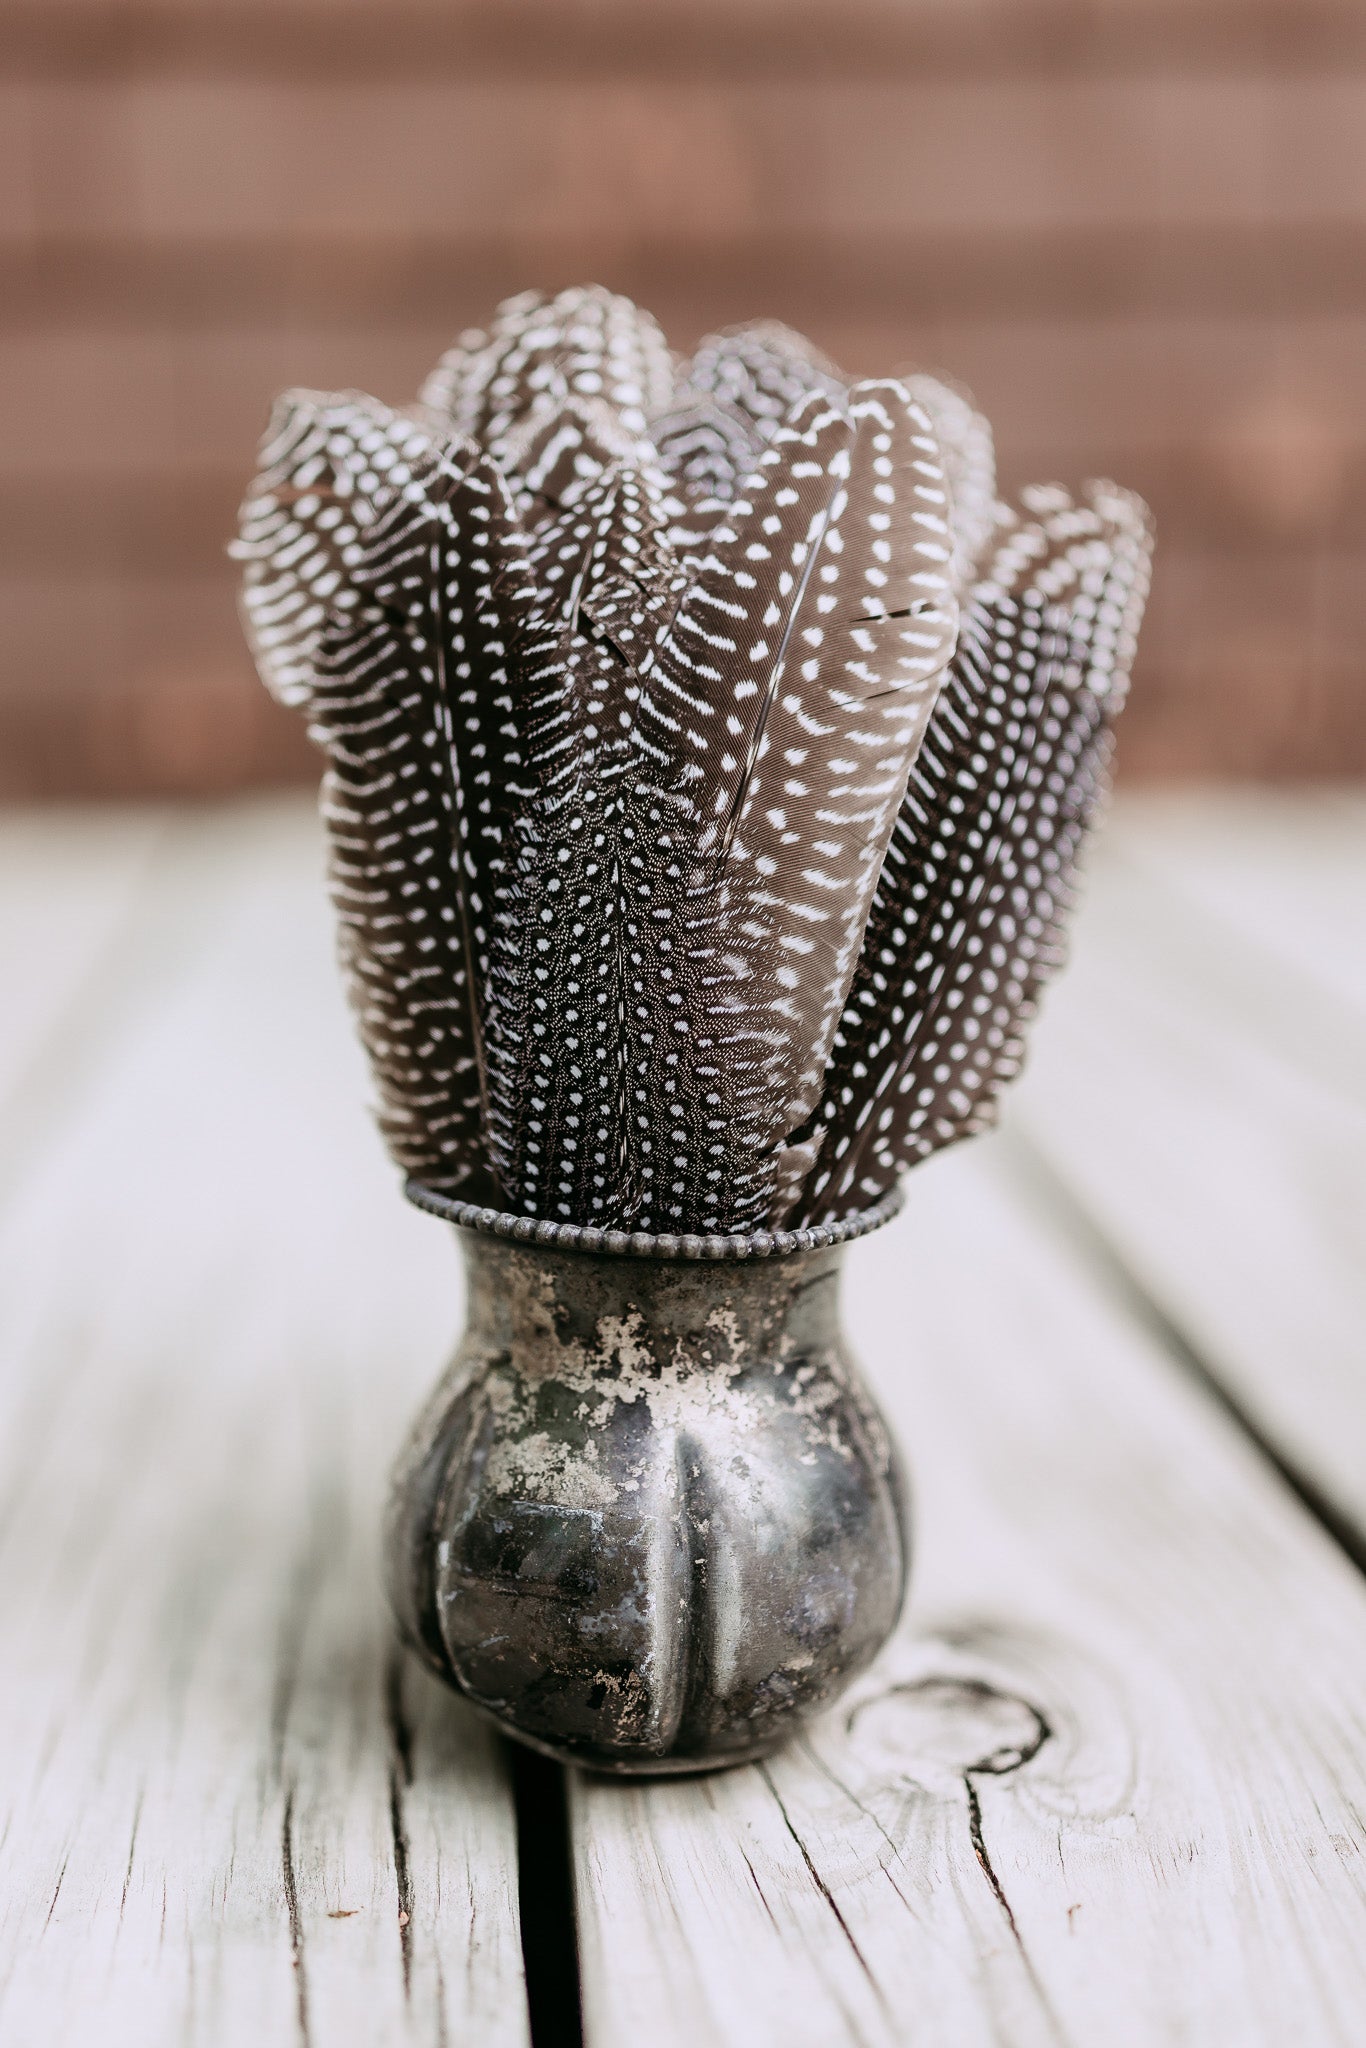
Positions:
{"x": 651, "y": 1517}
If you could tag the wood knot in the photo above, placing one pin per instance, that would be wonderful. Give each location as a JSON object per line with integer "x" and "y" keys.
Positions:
{"x": 948, "y": 1726}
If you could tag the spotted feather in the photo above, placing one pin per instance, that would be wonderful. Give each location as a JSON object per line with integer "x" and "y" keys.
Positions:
{"x": 970, "y": 911}
{"x": 678, "y": 888}
{"x": 799, "y": 672}
{"x": 328, "y": 466}
{"x": 586, "y": 344}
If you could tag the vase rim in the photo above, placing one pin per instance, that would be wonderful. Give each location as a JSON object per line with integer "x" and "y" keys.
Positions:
{"x": 648, "y": 1244}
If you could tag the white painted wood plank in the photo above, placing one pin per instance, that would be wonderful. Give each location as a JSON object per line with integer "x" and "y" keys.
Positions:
{"x": 1108, "y": 1784}
{"x": 69, "y": 882}
{"x": 1208, "y": 1112}
{"x": 215, "y": 1317}
{"x": 1273, "y": 978}
{"x": 1096, "y": 1547}
{"x": 1285, "y": 871}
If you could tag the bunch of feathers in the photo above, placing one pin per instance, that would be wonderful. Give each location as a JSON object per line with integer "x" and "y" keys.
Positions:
{"x": 709, "y": 756}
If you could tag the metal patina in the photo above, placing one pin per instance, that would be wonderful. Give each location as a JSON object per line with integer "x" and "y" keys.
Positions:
{"x": 651, "y": 1517}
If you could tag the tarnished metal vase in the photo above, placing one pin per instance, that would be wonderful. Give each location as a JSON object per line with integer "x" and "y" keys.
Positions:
{"x": 651, "y": 1517}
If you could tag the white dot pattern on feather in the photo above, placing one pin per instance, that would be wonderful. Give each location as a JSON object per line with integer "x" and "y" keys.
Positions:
{"x": 970, "y": 464}
{"x": 586, "y": 345}
{"x": 696, "y": 870}
{"x": 971, "y": 907}
{"x": 328, "y": 467}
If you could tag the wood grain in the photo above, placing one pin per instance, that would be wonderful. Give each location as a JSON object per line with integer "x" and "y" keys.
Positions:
{"x": 1106, "y": 1786}
{"x": 1281, "y": 876}
{"x": 230, "y": 1815}
{"x": 1198, "y": 1089}
{"x": 69, "y": 885}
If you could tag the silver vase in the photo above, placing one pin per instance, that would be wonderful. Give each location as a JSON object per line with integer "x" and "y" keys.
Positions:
{"x": 651, "y": 1517}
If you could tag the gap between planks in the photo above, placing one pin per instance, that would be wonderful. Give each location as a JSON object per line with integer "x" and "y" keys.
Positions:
{"x": 1106, "y": 1783}
{"x": 1097, "y": 1730}
{"x": 1202, "y": 1100}
{"x": 228, "y": 1814}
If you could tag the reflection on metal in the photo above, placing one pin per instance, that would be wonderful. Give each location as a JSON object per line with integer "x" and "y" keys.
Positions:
{"x": 651, "y": 1517}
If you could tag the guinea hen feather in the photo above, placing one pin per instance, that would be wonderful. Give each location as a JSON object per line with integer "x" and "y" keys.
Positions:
{"x": 972, "y": 904}
{"x": 709, "y": 756}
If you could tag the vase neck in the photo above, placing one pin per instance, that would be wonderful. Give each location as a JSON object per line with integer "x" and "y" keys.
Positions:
{"x": 658, "y": 1311}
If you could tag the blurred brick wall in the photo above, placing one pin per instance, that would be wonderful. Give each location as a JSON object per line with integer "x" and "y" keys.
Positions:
{"x": 1136, "y": 231}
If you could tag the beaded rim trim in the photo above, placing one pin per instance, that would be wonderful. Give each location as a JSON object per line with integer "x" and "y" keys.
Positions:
{"x": 646, "y": 1244}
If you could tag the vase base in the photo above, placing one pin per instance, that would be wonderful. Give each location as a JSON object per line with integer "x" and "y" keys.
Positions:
{"x": 579, "y": 1758}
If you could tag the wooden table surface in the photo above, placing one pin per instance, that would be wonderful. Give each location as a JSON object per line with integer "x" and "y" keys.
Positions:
{"x": 1108, "y": 1785}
